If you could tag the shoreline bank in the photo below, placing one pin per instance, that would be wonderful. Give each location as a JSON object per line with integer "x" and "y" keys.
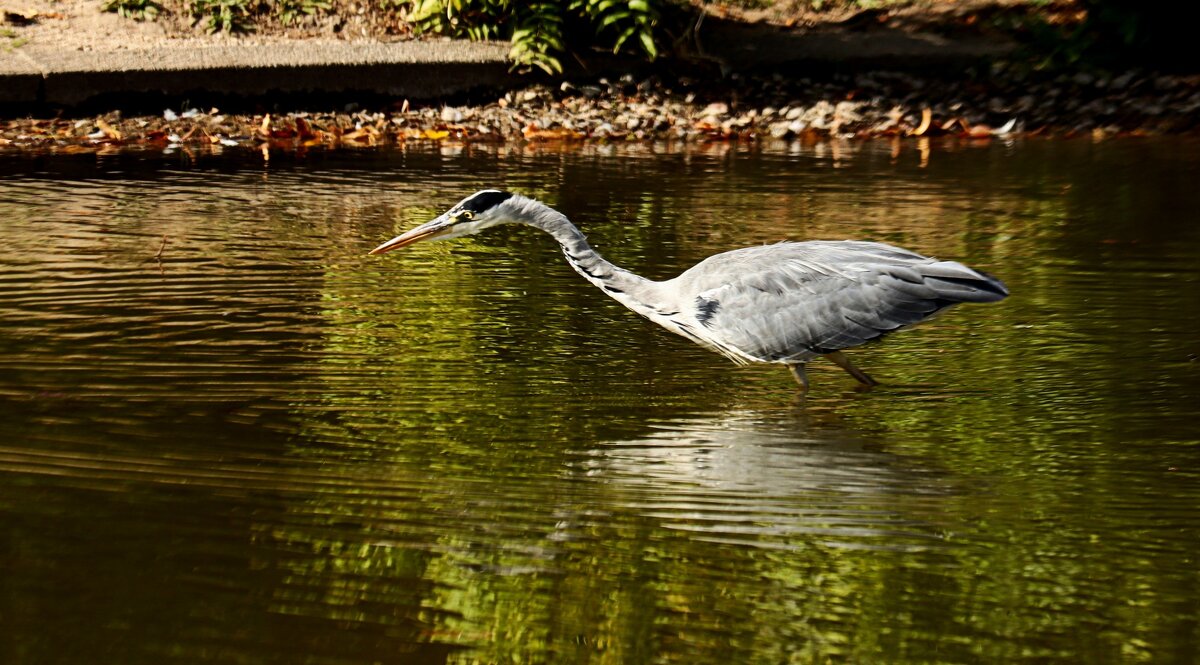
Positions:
{"x": 741, "y": 109}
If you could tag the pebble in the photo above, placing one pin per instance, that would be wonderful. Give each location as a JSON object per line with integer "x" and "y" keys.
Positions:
{"x": 779, "y": 108}
{"x": 1123, "y": 81}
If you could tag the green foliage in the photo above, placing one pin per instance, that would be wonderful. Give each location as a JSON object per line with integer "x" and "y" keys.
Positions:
{"x": 291, "y": 11}
{"x": 222, "y": 15}
{"x": 540, "y": 30}
{"x": 139, "y": 10}
{"x": 538, "y": 36}
{"x": 476, "y": 19}
{"x": 625, "y": 20}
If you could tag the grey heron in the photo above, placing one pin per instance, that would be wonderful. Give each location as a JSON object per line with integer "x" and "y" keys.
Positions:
{"x": 785, "y": 303}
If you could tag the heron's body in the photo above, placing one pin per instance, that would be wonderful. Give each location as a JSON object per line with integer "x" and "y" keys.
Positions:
{"x": 784, "y": 303}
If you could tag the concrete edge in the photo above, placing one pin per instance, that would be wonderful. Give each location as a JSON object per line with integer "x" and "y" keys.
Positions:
{"x": 37, "y": 77}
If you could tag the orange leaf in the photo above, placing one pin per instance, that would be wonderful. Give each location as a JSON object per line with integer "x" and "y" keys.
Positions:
{"x": 303, "y": 129}
{"x": 926, "y": 119}
{"x": 949, "y": 124}
{"x": 436, "y": 135}
{"x": 979, "y": 132}
{"x": 363, "y": 135}
{"x": 108, "y": 129}
{"x": 561, "y": 134}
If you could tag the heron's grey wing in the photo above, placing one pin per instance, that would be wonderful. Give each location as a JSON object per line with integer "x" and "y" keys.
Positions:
{"x": 793, "y": 301}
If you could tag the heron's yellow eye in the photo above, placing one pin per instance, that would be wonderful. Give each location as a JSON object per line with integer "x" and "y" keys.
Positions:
{"x": 467, "y": 214}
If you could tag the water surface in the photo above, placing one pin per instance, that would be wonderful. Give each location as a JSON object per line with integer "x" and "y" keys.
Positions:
{"x": 259, "y": 445}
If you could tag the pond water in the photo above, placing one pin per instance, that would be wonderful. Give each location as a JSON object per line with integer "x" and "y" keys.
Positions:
{"x": 260, "y": 445}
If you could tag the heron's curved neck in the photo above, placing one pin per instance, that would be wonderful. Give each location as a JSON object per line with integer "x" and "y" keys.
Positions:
{"x": 632, "y": 290}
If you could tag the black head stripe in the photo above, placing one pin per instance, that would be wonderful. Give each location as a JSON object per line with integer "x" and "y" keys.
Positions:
{"x": 489, "y": 198}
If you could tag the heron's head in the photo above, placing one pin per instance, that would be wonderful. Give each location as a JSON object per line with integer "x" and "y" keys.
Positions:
{"x": 473, "y": 214}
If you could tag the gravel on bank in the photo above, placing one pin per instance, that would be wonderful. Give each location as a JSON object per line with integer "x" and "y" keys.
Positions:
{"x": 1004, "y": 103}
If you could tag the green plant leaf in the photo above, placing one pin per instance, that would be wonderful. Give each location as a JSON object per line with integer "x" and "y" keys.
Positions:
{"x": 613, "y": 18}
{"x": 648, "y": 44}
{"x": 624, "y": 37}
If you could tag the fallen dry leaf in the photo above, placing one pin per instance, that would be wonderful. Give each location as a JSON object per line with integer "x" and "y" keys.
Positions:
{"x": 979, "y": 132}
{"x": 362, "y": 135}
{"x": 303, "y": 129}
{"x": 534, "y": 134}
{"x": 926, "y": 119}
{"x": 109, "y": 131}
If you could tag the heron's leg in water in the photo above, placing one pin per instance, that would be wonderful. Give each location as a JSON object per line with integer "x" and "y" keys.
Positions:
{"x": 799, "y": 375}
{"x": 844, "y": 362}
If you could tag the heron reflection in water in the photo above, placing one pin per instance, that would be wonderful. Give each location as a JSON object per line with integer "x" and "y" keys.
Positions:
{"x": 785, "y": 303}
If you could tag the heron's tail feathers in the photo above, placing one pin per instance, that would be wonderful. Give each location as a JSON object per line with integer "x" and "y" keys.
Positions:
{"x": 957, "y": 283}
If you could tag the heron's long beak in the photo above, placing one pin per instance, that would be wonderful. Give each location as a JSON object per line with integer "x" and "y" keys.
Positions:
{"x": 427, "y": 231}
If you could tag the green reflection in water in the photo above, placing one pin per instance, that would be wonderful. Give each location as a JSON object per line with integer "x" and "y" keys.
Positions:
{"x": 279, "y": 450}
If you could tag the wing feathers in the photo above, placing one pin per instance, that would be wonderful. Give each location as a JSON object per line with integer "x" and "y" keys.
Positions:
{"x": 792, "y": 301}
